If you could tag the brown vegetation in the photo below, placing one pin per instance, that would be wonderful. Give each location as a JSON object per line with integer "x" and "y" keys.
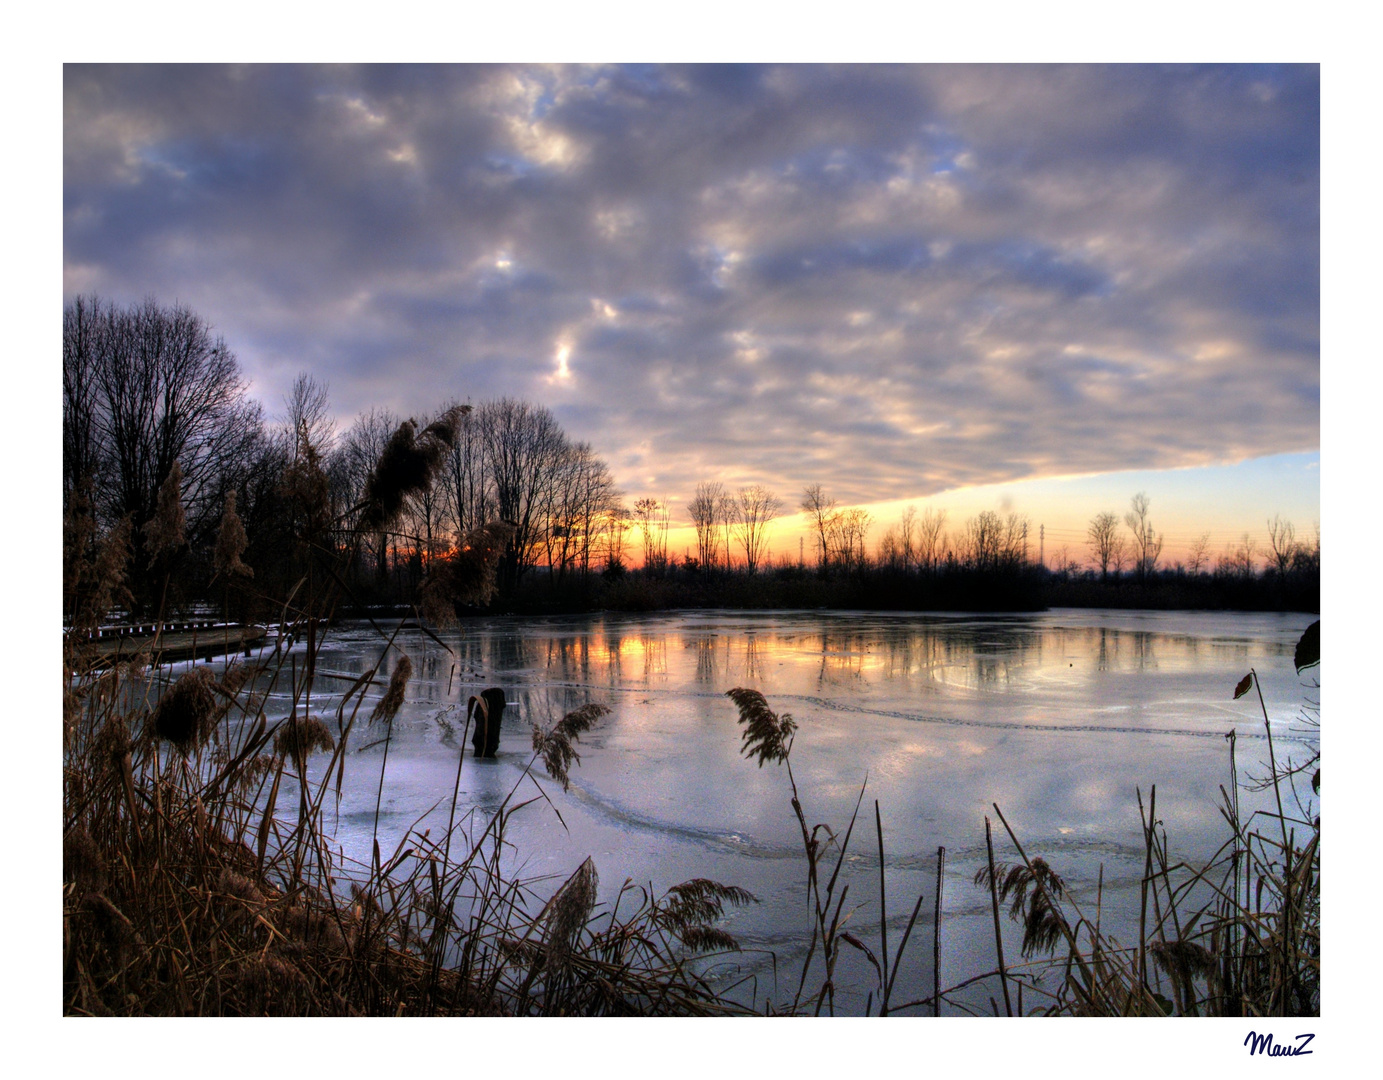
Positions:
{"x": 1238, "y": 936}
{"x": 190, "y": 887}
{"x": 192, "y": 884}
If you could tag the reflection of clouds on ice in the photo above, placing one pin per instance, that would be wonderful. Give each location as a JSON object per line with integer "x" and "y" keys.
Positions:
{"x": 1061, "y": 718}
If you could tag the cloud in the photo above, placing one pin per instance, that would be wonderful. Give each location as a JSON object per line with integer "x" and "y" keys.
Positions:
{"x": 889, "y": 280}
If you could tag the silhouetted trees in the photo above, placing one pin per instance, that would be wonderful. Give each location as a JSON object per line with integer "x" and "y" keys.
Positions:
{"x": 840, "y": 533}
{"x": 1147, "y": 542}
{"x": 1104, "y": 541}
{"x": 653, "y": 518}
{"x": 1198, "y": 555}
{"x": 819, "y": 508}
{"x": 147, "y": 389}
{"x": 165, "y": 458}
{"x": 149, "y": 393}
{"x": 931, "y": 539}
{"x": 1282, "y": 540}
{"x": 756, "y": 507}
{"x": 703, "y": 510}
{"x": 584, "y": 491}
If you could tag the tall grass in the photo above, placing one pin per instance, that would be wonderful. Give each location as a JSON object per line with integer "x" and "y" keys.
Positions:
{"x": 192, "y": 885}
{"x": 190, "y": 888}
{"x": 1236, "y": 936}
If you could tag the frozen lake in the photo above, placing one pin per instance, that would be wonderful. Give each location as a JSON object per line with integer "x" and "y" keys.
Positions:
{"x": 1059, "y": 717}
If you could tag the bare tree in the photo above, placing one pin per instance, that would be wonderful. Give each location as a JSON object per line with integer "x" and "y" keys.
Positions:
{"x": 426, "y": 535}
{"x": 579, "y": 496}
{"x": 1198, "y": 555}
{"x": 145, "y": 387}
{"x": 596, "y": 495}
{"x": 1102, "y": 537}
{"x": 727, "y": 513}
{"x": 1015, "y": 540}
{"x": 1238, "y": 560}
{"x": 306, "y": 440}
{"x": 907, "y": 538}
{"x": 1282, "y": 539}
{"x": 1147, "y": 543}
{"x": 651, "y": 517}
{"x": 615, "y": 523}
{"x": 662, "y": 521}
{"x": 981, "y": 541}
{"x": 890, "y": 550}
{"x": 931, "y": 539}
{"x": 84, "y": 322}
{"x": 992, "y": 543}
{"x": 469, "y": 494}
{"x": 525, "y": 447}
{"x": 1307, "y": 557}
{"x": 820, "y": 510}
{"x": 307, "y": 417}
{"x": 1120, "y": 557}
{"x": 757, "y": 507}
{"x": 853, "y": 527}
{"x": 703, "y": 514}
{"x": 356, "y": 457}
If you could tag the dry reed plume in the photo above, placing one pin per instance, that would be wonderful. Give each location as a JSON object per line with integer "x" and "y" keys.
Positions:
{"x": 231, "y": 543}
{"x": 308, "y": 490}
{"x": 164, "y": 532}
{"x": 388, "y": 706}
{"x": 555, "y": 745}
{"x": 299, "y": 736}
{"x": 466, "y": 576}
{"x": 194, "y": 885}
{"x": 95, "y": 572}
{"x": 407, "y": 466}
{"x": 693, "y": 908}
{"x": 186, "y": 714}
{"x": 1036, "y": 892}
{"x": 767, "y": 736}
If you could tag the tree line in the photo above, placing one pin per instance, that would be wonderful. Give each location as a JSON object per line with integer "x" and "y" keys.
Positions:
{"x": 158, "y": 425}
{"x": 155, "y": 407}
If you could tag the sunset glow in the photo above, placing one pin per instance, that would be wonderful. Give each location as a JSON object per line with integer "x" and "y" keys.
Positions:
{"x": 548, "y": 538}
{"x": 1035, "y": 288}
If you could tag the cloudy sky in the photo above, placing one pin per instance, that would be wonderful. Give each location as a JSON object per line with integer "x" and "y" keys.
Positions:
{"x": 903, "y": 283}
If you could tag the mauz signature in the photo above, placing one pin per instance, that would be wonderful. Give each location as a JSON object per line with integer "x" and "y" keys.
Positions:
{"x": 1263, "y": 1044}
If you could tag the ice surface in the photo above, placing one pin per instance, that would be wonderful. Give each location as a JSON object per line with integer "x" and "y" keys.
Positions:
{"x": 1059, "y": 717}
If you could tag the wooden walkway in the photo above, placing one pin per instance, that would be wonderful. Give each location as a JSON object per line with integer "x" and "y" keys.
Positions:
{"x": 179, "y": 641}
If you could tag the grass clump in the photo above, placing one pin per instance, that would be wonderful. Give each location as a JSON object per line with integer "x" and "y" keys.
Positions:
{"x": 191, "y": 886}
{"x": 1238, "y": 936}
{"x": 186, "y": 714}
{"x": 555, "y": 746}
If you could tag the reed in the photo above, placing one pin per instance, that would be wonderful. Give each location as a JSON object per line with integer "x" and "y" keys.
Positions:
{"x": 189, "y": 888}
{"x": 767, "y": 737}
{"x": 1237, "y": 936}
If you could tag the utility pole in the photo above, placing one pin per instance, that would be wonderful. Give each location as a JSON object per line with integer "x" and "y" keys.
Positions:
{"x": 1042, "y": 545}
